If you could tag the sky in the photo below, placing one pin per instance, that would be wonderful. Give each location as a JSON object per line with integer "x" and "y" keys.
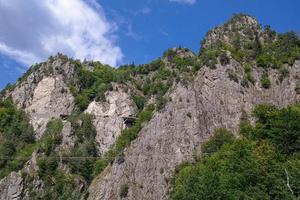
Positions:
{"x": 118, "y": 32}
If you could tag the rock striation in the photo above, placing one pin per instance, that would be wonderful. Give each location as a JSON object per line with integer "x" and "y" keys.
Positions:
{"x": 211, "y": 101}
{"x": 109, "y": 117}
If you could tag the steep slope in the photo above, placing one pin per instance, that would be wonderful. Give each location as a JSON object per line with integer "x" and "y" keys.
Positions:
{"x": 211, "y": 101}
{"x": 218, "y": 97}
{"x": 120, "y": 133}
{"x": 43, "y": 93}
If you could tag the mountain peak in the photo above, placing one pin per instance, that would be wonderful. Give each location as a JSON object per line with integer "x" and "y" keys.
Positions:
{"x": 240, "y": 27}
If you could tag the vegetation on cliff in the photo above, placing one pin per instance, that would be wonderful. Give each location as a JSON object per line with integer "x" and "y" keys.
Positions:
{"x": 263, "y": 163}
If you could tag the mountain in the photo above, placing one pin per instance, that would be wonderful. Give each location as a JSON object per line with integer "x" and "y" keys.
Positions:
{"x": 84, "y": 130}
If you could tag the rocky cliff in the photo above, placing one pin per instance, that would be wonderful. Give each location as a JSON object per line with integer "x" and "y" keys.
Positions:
{"x": 211, "y": 101}
{"x": 193, "y": 95}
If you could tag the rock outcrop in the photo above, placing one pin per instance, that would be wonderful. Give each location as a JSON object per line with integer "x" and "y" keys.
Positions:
{"x": 201, "y": 99}
{"x": 109, "y": 117}
{"x": 11, "y": 187}
{"x": 43, "y": 93}
{"x": 211, "y": 101}
{"x": 51, "y": 99}
{"x": 14, "y": 186}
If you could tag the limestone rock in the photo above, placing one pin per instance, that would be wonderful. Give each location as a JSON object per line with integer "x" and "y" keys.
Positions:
{"x": 11, "y": 187}
{"x": 211, "y": 101}
{"x": 43, "y": 92}
{"x": 109, "y": 116}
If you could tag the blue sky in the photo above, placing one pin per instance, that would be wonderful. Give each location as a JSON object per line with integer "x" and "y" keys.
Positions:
{"x": 120, "y": 31}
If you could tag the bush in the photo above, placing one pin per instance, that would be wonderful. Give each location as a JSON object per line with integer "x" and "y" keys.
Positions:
{"x": 280, "y": 126}
{"x": 84, "y": 148}
{"x": 265, "y": 81}
{"x": 94, "y": 84}
{"x": 257, "y": 165}
{"x": 284, "y": 72}
{"x": 220, "y": 137}
{"x": 124, "y": 191}
{"x": 224, "y": 59}
{"x": 297, "y": 89}
{"x": 232, "y": 76}
{"x": 52, "y": 136}
{"x": 48, "y": 165}
{"x": 139, "y": 102}
{"x": 16, "y": 135}
{"x": 161, "y": 102}
{"x": 237, "y": 171}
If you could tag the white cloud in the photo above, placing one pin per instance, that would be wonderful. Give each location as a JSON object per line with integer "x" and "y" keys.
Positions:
{"x": 189, "y": 2}
{"x": 32, "y": 30}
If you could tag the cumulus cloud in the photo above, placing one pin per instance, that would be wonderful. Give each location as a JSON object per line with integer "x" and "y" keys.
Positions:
{"x": 189, "y": 2}
{"x": 32, "y": 30}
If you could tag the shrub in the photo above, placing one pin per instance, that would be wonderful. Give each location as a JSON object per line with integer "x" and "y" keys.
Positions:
{"x": 52, "y": 136}
{"x": 297, "y": 89}
{"x": 84, "y": 148}
{"x": 265, "y": 81}
{"x": 263, "y": 163}
{"x": 124, "y": 191}
{"x": 224, "y": 59}
{"x": 139, "y": 102}
{"x": 284, "y": 72}
{"x": 220, "y": 137}
{"x": 280, "y": 126}
{"x": 232, "y": 76}
{"x": 162, "y": 101}
{"x": 16, "y": 135}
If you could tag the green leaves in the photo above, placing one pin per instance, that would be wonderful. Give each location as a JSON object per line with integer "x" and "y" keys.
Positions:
{"x": 16, "y": 134}
{"x": 220, "y": 137}
{"x": 261, "y": 164}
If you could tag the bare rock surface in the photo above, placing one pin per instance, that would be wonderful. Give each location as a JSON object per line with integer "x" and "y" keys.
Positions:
{"x": 43, "y": 93}
{"x": 211, "y": 101}
{"x": 109, "y": 117}
{"x": 51, "y": 99}
{"x": 11, "y": 187}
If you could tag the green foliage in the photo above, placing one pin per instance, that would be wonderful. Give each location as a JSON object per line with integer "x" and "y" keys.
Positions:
{"x": 241, "y": 170}
{"x": 16, "y": 136}
{"x": 265, "y": 81}
{"x": 161, "y": 102}
{"x": 232, "y": 76}
{"x": 139, "y": 102}
{"x": 94, "y": 84}
{"x": 257, "y": 165}
{"x": 284, "y": 72}
{"x": 57, "y": 185}
{"x": 84, "y": 151}
{"x": 52, "y": 136}
{"x": 153, "y": 88}
{"x": 209, "y": 57}
{"x": 147, "y": 68}
{"x": 47, "y": 166}
{"x": 280, "y": 126}
{"x": 124, "y": 191}
{"x": 285, "y": 50}
{"x": 220, "y": 137}
{"x": 183, "y": 63}
{"x": 297, "y": 89}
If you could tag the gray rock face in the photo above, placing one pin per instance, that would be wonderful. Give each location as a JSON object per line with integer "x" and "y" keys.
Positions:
{"x": 109, "y": 115}
{"x": 11, "y": 187}
{"x": 211, "y": 101}
{"x": 68, "y": 137}
{"x": 243, "y": 27}
{"x": 51, "y": 98}
{"x": 43, "y": 94}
